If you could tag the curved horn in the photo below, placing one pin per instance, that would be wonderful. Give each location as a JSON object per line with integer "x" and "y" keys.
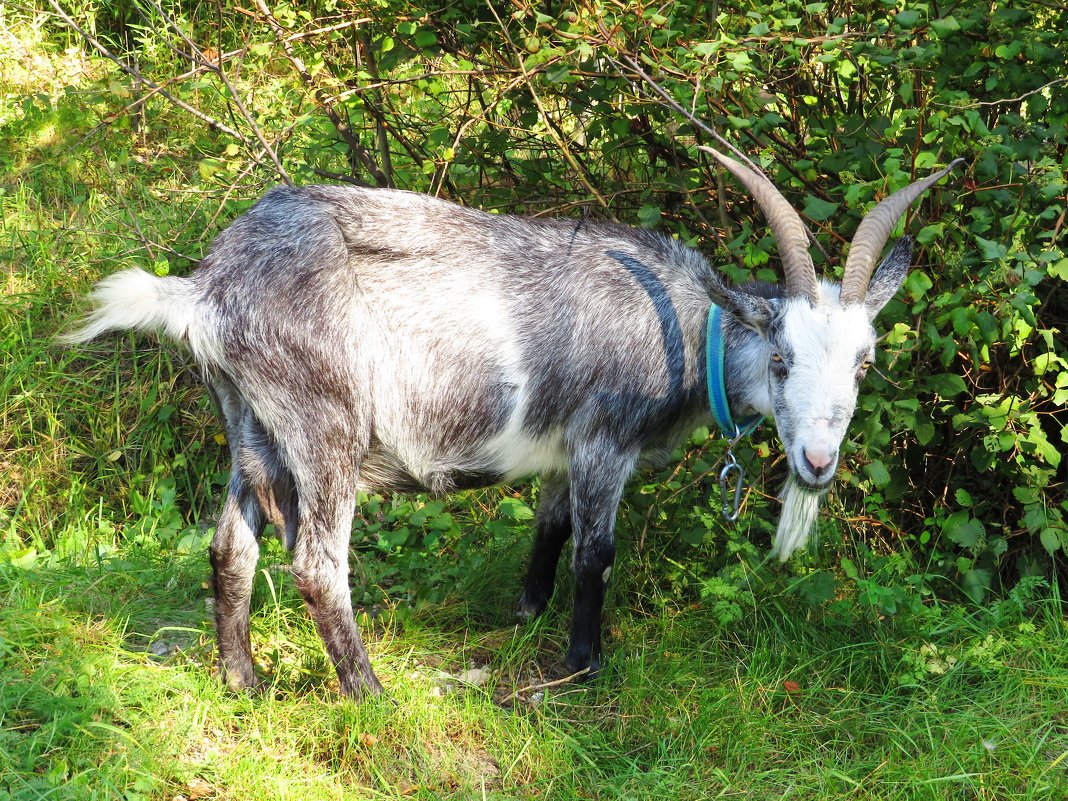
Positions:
{"x": 873, "y": 232}
{"x": 785, "y": 223}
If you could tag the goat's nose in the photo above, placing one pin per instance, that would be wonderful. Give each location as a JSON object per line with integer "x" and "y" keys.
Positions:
{"x": 818, "y": 461}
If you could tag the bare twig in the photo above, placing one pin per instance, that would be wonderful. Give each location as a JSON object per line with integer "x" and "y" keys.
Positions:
{"x": 201, "y": 59}
{"x": 356, "y": 148}
{"x": 1005, "y": 101}
{"x": 545, "y": 685}
{"x": 136, "y": 74}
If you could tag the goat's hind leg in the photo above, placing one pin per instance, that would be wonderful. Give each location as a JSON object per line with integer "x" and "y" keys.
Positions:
{"x": 260, "y": 490}
{"x": 234, "y": 551}
{"x": 235, "y": 547}
{"x": 324, "y": 469}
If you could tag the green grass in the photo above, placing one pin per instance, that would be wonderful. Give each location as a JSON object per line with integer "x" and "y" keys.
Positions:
{"x": 723, "y": 678}
{"x": 783, "y": 703}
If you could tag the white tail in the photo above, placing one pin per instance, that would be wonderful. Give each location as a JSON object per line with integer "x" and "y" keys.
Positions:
{"x": 135, "y": 299}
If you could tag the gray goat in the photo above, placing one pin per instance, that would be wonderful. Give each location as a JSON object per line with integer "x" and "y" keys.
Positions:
{"x": 369, "y": 339}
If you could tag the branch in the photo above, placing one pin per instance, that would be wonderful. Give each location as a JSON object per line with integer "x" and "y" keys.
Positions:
{"x": 582, "y": 172}
{"x": 136, "y": 73}
{"x": 678, "y": 107}
{"x": 1005, "y": 101}
{"x": 201, "y": 59}
{"x": 361, "y": 153}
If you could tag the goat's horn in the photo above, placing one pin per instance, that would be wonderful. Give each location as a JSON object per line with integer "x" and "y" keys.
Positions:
{"x": 785, "y": 224}
{"x": 873, "y": 232}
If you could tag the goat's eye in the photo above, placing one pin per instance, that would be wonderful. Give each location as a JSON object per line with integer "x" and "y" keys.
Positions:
{"x": 778, "y": 366}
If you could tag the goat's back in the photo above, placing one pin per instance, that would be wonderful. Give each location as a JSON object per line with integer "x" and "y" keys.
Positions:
{"x": 475, "y": 344}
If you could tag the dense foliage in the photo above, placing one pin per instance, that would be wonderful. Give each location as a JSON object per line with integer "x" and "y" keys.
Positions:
{"x": 955, "y": 478}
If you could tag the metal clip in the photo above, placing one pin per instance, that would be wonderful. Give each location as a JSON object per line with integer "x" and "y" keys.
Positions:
{"x": 731, "y": 510}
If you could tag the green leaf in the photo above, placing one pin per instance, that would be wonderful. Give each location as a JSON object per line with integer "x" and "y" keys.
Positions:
{"x": 945, "y": 27}
{"x": 992, "y": 251}
{"x": 425, "y": 38}
{"x": 917, "y": 284}
{"x": 818, "y": 587}
{"x": 515, "y": 509}
{"x": 946, "y": 384}
{"x": 976, "y": 584}
{"x": 963, "y": 529}
{"x": 1051, "y": 540}
{"x": 878, "y": 473}
{"x": 649, "y": 215}
{"x": 907, "y": 19}
{"x": 818, "y": 209}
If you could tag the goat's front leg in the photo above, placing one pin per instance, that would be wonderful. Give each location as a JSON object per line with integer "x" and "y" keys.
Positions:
{"x": 598, "y": 471}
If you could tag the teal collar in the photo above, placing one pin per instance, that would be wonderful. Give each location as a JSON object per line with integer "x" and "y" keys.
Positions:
{"x": 717, "y": 390}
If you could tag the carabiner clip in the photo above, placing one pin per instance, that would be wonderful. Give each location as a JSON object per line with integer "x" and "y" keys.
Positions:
{"x": 731, "y": 510}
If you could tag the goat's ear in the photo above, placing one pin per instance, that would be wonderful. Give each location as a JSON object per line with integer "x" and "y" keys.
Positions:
{"x": 889, "y": 277}
{"x": 751, "y": 311}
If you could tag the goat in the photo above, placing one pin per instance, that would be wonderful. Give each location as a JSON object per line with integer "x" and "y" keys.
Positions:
{"x": 372, "y": 339}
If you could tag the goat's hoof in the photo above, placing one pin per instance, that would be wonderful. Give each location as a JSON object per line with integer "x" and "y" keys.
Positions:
{"x": 583, "y": 669}
{"x": 530, "y": 607}
{"x": 241, "y": 681}
{"x": 360, "y": 687}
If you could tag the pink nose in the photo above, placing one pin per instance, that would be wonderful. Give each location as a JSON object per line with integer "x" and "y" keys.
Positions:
{"x": 818, "y": 460}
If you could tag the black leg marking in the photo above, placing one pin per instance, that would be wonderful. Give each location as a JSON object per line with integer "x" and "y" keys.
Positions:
{"x": 598, "y": 472}
{"x": 554, "y": 529}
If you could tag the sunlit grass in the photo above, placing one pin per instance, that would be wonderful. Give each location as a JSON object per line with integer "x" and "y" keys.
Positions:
{"x": 107, "y": 687}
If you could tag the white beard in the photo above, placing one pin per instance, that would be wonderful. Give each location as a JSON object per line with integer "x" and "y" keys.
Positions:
{"x": 800, "y": 505}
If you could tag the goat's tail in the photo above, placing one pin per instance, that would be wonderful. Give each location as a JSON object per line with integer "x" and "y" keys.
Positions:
{"x": 135, "y": 299}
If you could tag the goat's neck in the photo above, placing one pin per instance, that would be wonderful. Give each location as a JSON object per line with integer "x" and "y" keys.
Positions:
{"x": 746, "y": 370}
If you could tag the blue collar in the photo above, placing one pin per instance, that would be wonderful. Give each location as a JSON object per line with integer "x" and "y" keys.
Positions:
{"x": 717, "y": 390}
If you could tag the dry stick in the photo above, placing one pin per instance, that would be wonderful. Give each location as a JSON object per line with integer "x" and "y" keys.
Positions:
{"x": 545, "y": 685}
{"x": 136, "y": 73}
{"x": 200, "y": 58}
{"x": 354, "y": 145}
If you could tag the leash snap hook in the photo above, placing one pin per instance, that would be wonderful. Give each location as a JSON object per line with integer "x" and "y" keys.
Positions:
{"x": 732, "y": 470}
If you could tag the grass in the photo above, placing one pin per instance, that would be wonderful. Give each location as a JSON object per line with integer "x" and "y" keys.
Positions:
{"x": 721, "y": 680}
{"x": 107, "y": 691}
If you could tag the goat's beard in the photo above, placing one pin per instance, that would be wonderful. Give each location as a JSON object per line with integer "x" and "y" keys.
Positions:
{"x": 800, "y": 505}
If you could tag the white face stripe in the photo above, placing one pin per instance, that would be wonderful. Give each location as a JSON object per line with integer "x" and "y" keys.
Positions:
{"x": 822, "y": 348}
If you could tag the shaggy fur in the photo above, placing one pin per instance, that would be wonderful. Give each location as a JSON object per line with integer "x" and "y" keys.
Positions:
{"x": 383, "y": 340}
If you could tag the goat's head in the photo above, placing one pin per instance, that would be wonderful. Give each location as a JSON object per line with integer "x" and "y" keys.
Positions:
{"x": 820, "y": 339}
